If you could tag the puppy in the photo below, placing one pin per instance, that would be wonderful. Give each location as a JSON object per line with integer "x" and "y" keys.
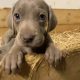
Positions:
{"x": 30, "y": 22}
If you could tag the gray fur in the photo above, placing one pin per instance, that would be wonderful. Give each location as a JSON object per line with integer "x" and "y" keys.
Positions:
{"x": 29, "y": 33}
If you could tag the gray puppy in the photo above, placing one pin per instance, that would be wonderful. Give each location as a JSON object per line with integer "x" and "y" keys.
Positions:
{"x": 29, "y": 24}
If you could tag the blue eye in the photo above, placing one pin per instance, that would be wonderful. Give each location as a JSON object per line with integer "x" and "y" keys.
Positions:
{"x": 17, "y": 16}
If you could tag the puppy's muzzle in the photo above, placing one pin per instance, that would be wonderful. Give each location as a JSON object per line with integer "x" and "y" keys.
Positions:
{"x": 32, "y": 40}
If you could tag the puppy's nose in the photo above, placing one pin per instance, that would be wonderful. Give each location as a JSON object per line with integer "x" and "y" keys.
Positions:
{"x": 29, "y": 38}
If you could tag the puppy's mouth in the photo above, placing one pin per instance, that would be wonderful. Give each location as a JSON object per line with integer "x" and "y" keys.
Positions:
{"x": 38, "y": 42}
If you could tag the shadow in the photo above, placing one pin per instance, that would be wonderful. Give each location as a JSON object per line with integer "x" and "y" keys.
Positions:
{"x": 24, "y": 71}
{"x": 61, "y": 65}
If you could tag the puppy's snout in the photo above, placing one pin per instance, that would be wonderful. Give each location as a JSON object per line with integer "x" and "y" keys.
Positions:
{"x": 28, "y": 38}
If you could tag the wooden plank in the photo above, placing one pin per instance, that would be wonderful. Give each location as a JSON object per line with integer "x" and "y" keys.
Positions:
{"x": 61, "y": 28}
{"x": 64, "y": 17}
{"x": 68, "y": 16}
{"x": 4, "y": 16}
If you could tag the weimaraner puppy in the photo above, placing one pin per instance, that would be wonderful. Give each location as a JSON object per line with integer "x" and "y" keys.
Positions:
{"x": 30, "y": 22}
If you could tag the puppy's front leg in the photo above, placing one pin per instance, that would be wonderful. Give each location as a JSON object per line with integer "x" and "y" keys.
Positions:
{"x": 53, "y": 54}
{"x": 12, "y": 59}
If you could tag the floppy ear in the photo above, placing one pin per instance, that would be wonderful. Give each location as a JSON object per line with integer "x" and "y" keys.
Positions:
{"x": 52, "y": 21}
{"x": 10, "y": 21}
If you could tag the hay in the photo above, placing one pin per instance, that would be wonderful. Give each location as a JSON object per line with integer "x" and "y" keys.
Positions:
{"x": 68, "y": 41}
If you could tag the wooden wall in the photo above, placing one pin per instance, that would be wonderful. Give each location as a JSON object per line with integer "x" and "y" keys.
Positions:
{"x": 68, "y": 19}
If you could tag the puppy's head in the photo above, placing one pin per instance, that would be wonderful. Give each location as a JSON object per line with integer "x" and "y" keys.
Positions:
{"x": 32, "y": 19}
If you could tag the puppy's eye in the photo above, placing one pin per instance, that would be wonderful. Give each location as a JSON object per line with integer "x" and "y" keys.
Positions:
{"x": 42, "y": 17}
{"x": 17, "y": 16}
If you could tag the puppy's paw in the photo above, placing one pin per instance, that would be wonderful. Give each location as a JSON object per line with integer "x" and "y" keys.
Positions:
{"x": 10, "y": 62}
{"x": 54, "y": 56}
